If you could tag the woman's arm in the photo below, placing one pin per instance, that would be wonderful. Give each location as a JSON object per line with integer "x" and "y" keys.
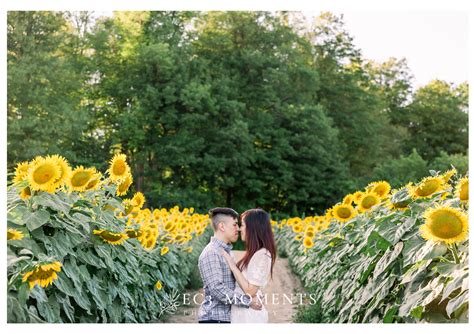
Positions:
{"x": 246, "y": 287}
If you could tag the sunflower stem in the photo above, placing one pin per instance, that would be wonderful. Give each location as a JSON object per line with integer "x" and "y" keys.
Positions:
{"x": 454, "y": 251}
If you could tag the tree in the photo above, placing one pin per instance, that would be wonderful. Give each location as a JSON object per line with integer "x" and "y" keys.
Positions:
{"x": 44, "y": 101}
{"x": 398, "y": 172}
{"x": 350, "y": 98}
{"x": 438, "y": 120}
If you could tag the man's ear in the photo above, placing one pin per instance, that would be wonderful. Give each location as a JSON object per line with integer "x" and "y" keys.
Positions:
{"x": 220, "y": 226}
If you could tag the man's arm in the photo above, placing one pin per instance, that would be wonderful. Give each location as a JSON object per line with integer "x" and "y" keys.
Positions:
{"x": 212, "y": 275}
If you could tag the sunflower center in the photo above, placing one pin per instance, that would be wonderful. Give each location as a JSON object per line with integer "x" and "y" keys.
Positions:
{"x": 368, "y": 202}
{"x": 446, "y": 225}
{"x": 344, "y": 212}
{"x": 400, "y": 205}
{"x": 119, "y": 168}
{"x": 427, "y": 188}
{"x": 43, "y": 174}
{"x": 134, "y": 234}
{"x": 27, "y": 191}
{"x": 80, "y": 178}
{"x": 380, "y": 190}
{"x": 110, "y": 236}
{"x": 44, "y": 274}
{"x": 149, "y": 243}
{"x": 92, "y": 183}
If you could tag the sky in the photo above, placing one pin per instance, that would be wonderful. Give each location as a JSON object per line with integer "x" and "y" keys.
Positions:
{"x": 435, "y": 44}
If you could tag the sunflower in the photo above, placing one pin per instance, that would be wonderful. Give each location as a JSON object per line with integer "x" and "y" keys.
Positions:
{"x": 123, "y": 186}
{"x": 164, "y": 250}
{"x": 14, "y": 234}
{"x": 348, "y": 199}
{"x": 149, "y": 237}
{"x": 119, "y": 168}
{"x": 42, "y": 274}
{"x": 65, "y": 169}
{"x": 344, "y": 212}
{"x": 149, "y": 242}
{"x": 94, "y": 182}
{"x": 298, "y": 237}
{"x": 132, "y": 233}
{"x": 367, "y": 201}
{"x": 309, "y": 229}
{"x": 297, "y": 228}
{"x": 189, "y": 249}
{"x": 180, "y": 238}
{"x": 43, "y": 174}
{"x": 381, "y": 188}
{"x": 80, "y": 177}
{"x": 427, "y": 187}
{"x": 169, "y": 226}
{"x": 308, "y": 242}
{"x": 446, "y": 224}
{"x": 25, "y": 193}
{"x": 111, "y": 237}
{"x": 127, "y": 206}
{"x": 462, "y": 189}
{"x": 447, "y": 176}
{"x": 329, "y": 213}
{"x": 357, "y": 195}
{"x": 21, "y": 172}
{"x": 158, "y": 285}
{"x": 320, "y": 227}
{"x": 138, "y": 200}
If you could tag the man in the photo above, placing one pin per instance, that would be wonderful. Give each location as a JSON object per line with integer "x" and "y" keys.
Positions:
{"x": 219, "y": 282}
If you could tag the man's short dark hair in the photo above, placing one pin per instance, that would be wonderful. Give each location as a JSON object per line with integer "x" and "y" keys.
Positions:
{"x": 223, "y": 211}
{"x": 217, "y": 213}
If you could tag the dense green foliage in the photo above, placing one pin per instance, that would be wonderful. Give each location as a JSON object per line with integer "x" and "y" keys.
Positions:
{"x": 242, "y": 109}
{"x": 98, "y": 282}
{"x": 377, "y": 267}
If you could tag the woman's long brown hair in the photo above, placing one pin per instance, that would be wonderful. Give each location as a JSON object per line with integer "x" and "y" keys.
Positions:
{"x": 258, "y": 235}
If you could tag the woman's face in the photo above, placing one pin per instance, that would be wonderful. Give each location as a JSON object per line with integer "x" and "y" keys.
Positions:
{"x": 242, "y": 231}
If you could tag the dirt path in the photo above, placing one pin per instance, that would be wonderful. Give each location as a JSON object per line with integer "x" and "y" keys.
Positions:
{"x": 283, "y": 296}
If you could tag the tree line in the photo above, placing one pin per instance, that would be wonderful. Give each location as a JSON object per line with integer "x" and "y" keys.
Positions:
{"x": 240, "y": 109}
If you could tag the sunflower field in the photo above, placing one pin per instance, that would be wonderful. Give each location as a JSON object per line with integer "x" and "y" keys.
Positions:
{"x": 77, "y": 252}
{"x": 383, "y": 255}
{"x": 80, "y": 252}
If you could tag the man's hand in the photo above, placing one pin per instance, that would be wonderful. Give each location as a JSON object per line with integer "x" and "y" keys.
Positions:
{"x": 230, "y": 261}
{"x": 255, "y": 304}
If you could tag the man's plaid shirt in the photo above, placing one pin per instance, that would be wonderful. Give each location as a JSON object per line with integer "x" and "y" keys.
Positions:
{"x": 219, "y": 283}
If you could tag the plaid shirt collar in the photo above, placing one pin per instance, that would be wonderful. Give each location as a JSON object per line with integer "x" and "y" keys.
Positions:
{"x": 221, "y": 243}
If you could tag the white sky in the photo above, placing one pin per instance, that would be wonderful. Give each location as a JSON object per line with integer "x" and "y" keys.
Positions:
{"x": 435, "y": 44}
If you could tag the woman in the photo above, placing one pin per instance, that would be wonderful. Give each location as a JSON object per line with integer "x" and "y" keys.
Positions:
{"x": 253, "y": 271}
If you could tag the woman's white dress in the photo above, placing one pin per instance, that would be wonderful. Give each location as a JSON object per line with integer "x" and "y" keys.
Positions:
{"x": 258, "y": 274}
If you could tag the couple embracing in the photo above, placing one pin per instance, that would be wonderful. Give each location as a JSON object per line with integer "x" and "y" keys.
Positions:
{"x": 232, "y": 290}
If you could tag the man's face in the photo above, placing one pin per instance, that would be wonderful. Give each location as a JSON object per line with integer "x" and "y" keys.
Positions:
{"x": 230, "y": 228}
